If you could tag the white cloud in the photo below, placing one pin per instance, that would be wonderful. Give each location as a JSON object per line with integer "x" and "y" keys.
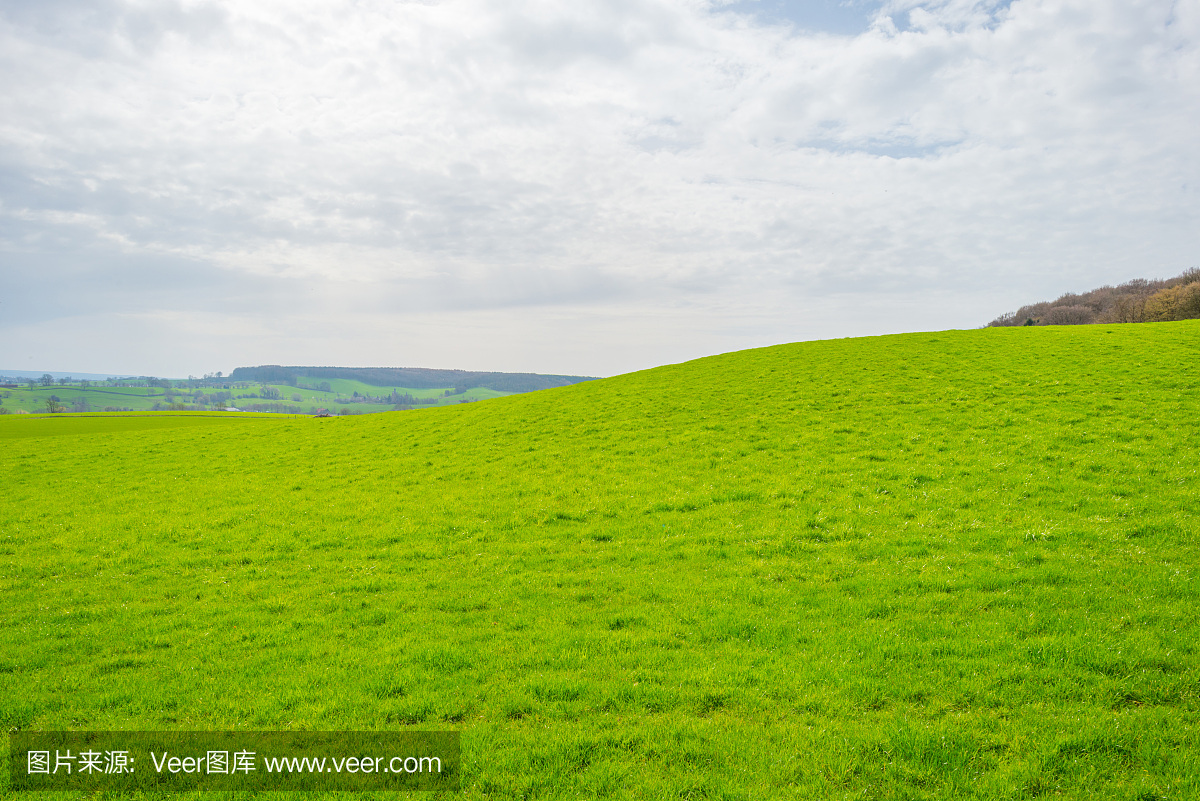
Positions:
{"x": 465, "y": 156}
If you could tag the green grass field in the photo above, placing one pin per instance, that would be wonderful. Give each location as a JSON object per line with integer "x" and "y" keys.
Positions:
{"x": 946, "y": 565}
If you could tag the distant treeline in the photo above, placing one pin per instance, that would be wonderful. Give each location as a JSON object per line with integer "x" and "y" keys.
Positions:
{"x": 411, "y": 377}
{"x": 1138, "y": 301}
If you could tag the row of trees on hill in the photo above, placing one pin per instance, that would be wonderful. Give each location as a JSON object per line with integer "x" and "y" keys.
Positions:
{"x": 1138, "y": 301}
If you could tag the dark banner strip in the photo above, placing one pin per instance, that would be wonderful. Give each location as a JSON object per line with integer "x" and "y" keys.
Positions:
{"x": 189, "y": 761}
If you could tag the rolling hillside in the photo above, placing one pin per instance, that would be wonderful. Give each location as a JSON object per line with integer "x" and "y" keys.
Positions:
{"x": 943, "y": 565}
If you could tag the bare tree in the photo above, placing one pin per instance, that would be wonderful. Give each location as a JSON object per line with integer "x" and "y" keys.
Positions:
{"x": 1134, "y": 301}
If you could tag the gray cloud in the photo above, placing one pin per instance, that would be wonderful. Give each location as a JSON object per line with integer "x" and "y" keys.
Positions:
{"x": 337, "y": 161}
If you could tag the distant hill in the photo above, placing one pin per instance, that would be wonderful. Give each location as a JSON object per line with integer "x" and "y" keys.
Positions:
{"x": 1138, "y": 301}
{"x": 410, "y": 377}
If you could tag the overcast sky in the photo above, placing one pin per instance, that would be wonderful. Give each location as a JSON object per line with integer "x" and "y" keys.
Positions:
{"x": 569, "y": 186}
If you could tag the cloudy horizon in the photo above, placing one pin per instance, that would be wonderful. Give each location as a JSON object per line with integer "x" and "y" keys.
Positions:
{"x": 574, "y": 188}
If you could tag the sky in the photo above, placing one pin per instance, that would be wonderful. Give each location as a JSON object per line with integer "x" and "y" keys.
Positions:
{"x": 586, "y": 187}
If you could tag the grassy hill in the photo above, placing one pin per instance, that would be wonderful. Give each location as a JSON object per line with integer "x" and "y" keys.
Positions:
{"x": 946, "y": 565}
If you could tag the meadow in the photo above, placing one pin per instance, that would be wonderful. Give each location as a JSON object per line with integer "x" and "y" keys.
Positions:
{"x": 925, "y": 566}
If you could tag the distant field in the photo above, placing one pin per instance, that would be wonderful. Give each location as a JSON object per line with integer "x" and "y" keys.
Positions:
{"x": 943, "y": 565}
{"x": 33, "y": 399}
{"x": 347, "y": 388}
{"x": 338, "y": 398}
